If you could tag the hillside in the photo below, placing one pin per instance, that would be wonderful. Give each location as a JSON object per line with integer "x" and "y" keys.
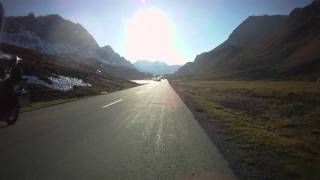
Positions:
{"x": 265, "y": 47}
{"x": 52, "y": 35}
{"x": 156, "y": 67}
{"x": 51, "y": 78}
{"x": 49, "y": 34}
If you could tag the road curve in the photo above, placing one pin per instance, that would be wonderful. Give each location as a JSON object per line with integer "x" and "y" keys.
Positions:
{"x": 140, "y": 133}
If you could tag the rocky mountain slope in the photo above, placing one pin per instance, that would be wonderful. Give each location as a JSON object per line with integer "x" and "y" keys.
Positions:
{"x": 156, "y": 67}
{"x": 52, "y": 35}
{"x": 265, "y": 47}
{"x": 108, "y": 54}
{"x": 49, "y": 34}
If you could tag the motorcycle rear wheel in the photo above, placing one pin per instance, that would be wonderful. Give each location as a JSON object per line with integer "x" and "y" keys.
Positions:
{"x": 13, "y": 116}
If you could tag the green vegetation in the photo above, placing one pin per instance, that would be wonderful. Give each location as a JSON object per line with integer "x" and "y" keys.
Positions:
{"x": 282, "y": 119}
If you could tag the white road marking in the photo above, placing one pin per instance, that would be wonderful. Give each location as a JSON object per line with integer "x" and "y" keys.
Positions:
{"x": 112, "y": 103}
{"x": 139, "y": 92}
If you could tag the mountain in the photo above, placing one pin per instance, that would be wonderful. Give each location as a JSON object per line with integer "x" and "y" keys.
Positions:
{"x": 156, "y": 67}
{"x": 52, "y": 35}
{"x": 253, "y": 28}
{"x": 265, "y": 47}
{"x": 51, "y": 77}
{"x": 49, "y": 34}
{"x": 112, "y": 57}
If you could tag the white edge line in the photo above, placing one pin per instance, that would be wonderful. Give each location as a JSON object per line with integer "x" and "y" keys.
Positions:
{"x": 112, "y": 103}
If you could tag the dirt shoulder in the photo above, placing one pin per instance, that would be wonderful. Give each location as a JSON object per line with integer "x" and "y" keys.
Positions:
{"x": 266, "y": 130}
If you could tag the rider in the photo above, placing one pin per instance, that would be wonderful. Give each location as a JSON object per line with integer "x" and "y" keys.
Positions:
{"x": 15, "y": 75}
{"x": 9, "y": 64}
{"x": 10, "y": 77}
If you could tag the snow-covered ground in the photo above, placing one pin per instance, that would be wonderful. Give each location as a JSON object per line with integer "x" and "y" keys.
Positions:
{"x": 61, "y": 83}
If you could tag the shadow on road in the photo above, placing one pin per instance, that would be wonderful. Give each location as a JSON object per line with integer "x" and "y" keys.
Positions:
{"x": 2, "y": 126}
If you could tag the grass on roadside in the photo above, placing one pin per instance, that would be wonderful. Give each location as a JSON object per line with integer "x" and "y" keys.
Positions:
{"x": 39, "y": 105}
{"x": 41, "y": 96}
{"x": 280, "y": 118}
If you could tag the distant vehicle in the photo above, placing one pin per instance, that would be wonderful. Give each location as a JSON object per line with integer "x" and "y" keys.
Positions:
{"x": 159, "y": 78}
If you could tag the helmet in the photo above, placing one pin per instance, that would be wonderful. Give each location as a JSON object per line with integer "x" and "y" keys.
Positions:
{"x": 4, "y": 56}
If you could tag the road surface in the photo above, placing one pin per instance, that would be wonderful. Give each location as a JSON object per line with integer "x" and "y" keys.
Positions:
{"x": 145, "y": 132}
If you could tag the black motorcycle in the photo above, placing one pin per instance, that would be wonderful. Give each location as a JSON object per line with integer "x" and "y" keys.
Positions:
{"x": 10, "y": 83}
{"x": 10, "y": 89}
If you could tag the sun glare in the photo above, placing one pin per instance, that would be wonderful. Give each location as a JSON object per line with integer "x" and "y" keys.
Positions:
{"x": 150, "y": 36}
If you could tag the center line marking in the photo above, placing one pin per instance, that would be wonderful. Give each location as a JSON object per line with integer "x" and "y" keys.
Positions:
{"x": 112, "y": 103}
{"x": 139, "y": 92}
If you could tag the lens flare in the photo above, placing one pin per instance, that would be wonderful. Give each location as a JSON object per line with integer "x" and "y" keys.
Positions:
{"x": 150, "y": 36}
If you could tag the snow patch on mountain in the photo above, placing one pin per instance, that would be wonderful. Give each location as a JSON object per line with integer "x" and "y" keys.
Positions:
{"x": 29, "y": 40}
{"x": 61, "y": 83}
{"x": 55, "y": 36}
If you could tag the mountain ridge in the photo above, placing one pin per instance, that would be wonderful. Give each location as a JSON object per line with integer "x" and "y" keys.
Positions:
{"x": 156, "y": 67}
{"x": 283, "y": 51}
{"x": 51, "y": 30}
{"x": 55, "y": 36}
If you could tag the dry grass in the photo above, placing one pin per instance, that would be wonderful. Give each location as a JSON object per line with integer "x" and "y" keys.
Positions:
{"x": 280, "y": 118}
{"x": 39, "y": 105}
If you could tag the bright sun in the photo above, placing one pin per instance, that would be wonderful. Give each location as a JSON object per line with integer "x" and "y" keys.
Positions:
{"x": 150, "y": 36}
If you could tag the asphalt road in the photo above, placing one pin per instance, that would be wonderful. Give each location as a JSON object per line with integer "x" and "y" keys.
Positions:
{"x": 145, "y": 132}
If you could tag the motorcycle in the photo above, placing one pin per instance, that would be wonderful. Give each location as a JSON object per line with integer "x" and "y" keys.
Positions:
{"x": 11, "y": 83}
{"x": 10, "y": 89}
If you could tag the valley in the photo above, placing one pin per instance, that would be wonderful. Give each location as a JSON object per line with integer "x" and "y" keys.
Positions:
{"x": 116, "y": 90}
{"x": 156, "y": 67}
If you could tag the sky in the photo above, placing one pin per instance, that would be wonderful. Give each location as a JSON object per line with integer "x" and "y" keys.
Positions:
{"x": 172, "y": 31}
